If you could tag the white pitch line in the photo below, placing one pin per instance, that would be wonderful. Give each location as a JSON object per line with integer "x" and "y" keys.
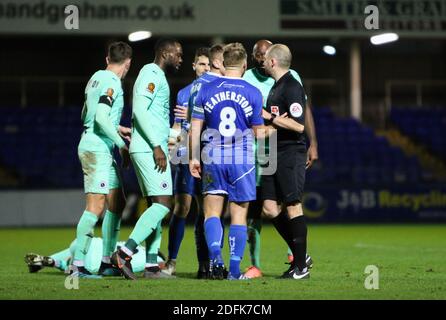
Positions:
{"x": 384, "y": 247}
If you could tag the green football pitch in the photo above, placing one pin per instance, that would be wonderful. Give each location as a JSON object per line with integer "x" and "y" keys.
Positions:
{"x": 410, "y": 259}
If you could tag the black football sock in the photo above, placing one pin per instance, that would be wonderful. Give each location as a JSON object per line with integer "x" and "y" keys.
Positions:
{"x": 200, "y": 240}
{"x": 282, "y": 225}
{"x": 298, "y": 231}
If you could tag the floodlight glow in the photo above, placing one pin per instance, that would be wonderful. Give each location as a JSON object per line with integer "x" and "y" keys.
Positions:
{"x": 384, "y": 38}
{"x": 139, "y": 35}
{"x": 330, "y": 50}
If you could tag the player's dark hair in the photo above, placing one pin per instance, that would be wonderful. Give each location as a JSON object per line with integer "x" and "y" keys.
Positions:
{"x": 215, "y": 50}
{"x": 164, "y": 44}
{"x": 118, "y": 52}
{"x": 202, "y": 51}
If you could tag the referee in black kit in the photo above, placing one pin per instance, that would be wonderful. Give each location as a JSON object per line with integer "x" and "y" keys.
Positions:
{"x": 282, "y": 191}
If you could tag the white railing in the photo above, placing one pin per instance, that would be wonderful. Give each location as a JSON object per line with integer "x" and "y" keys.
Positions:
{"x": 418, "y": 85}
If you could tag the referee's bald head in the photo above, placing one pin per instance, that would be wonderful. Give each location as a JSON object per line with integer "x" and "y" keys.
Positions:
{"x": 281, "y": 53}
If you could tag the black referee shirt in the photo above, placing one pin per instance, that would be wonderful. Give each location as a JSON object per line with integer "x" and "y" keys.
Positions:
{"x": 287, "y": 95}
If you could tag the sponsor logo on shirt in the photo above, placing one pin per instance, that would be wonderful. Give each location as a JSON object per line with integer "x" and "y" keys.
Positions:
{"x": 275, "y": 110}
{"x": 296, "y": 110}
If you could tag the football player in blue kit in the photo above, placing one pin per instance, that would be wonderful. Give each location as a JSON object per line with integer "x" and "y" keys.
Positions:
{"x": 208, "y": 66}
{"x": 229, "y": 109}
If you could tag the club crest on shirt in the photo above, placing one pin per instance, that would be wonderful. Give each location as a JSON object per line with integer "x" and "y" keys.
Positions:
{"x": 275, "y": 110}
{"x": 151, "y": 87}
{"x": 110, "y": 92}
{"x": 164, "y": 185}
{"x": 296, "y": 110}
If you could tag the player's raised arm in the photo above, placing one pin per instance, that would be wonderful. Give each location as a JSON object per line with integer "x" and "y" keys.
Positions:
{"x": 261, "y": 131}
{"x": 283, "y": 122}
{"x": 180, "y": 111}
{"x": 294, "y": 119}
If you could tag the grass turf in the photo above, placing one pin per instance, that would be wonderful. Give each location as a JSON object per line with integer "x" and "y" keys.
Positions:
{"x": 411, "y": 261}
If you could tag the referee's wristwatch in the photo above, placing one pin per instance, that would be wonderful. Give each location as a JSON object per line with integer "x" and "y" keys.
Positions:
{"x": 273, "y": 116}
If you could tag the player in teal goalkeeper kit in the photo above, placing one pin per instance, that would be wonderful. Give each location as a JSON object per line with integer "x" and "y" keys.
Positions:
{"x": 148, "y": 149}
{"x": 62, "y": 259}
{"x": 101, "y": 116}
{"x": 258, "y": 78}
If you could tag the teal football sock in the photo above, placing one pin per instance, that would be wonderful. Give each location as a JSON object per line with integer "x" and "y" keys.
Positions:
{"x": 110, "y": 232}
{"x": 153, "y": 243}
{"x": 84, "y": 235}
{"x": 254, "y": 228}
{"x": 146, "y": 224}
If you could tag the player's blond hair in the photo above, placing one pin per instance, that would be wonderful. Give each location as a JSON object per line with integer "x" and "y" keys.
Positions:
{"x": 234, "y": 55}
{"x": 281, "y": 53}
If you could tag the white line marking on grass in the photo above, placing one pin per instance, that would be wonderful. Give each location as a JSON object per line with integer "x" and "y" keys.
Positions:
{"x": 363, "y": 245}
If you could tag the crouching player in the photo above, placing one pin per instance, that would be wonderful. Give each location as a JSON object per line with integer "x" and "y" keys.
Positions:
{"x": 62, "y": 259}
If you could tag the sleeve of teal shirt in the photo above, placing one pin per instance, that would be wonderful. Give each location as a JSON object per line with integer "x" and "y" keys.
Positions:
{"x": 145, "y": 94}
{"x": 297, "y": 77}
{"x": 102, "y": 117}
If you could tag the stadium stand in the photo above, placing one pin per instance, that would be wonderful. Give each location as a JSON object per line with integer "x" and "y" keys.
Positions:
{"x": 425, "y": 125}
{"x": 40, "y": 146}
{"x": 350, "y": 151}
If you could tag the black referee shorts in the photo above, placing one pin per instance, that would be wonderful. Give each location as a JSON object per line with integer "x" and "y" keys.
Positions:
{"x": 287, "y": 184}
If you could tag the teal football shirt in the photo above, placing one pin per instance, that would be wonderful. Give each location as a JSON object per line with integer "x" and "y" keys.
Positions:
{"x": 150, "y": 119}
{"x": 102, "y": 83}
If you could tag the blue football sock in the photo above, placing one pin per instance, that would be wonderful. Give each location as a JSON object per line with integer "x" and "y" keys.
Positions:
{"x": 176, "y": 234}
{"x": 213, "y": 231}
{"x": 237, "y": 242}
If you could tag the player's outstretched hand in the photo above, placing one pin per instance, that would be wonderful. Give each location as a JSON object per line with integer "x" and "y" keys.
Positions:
{"x": 125, "y": 156}
{"x": 312, "y": 156}
{"x": 125, "y": 133}
{"x": 195, "y": 168}
{"x": 180, "y": 112}
{"x": 160, "y": 159}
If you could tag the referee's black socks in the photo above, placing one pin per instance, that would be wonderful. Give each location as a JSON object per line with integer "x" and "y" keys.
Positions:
{"x": 281, "y": 223}
{"x": 283, "y": 226}
{"x": 298, "y": 231}
{"x": 294, "y": 232}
